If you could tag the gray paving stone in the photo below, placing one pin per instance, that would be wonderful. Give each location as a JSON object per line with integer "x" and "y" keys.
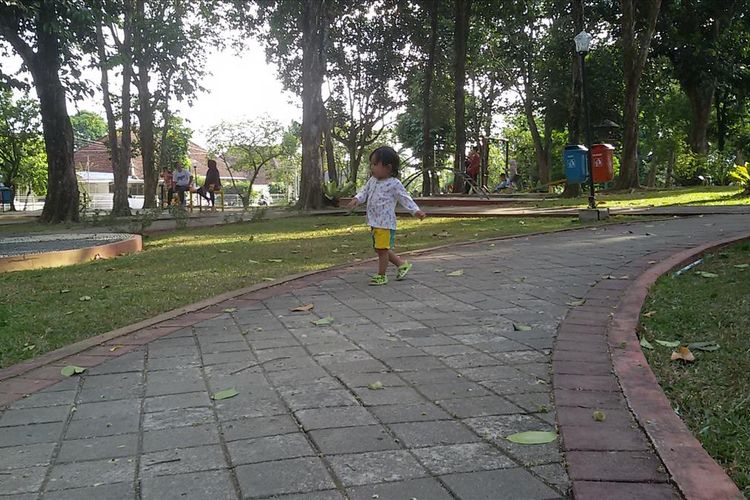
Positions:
{"x": 479, "y": 407}
{"x": 409, "y": 413}
{"x": 162, "y": 387}
{"x": 158, "y": 363}
{"x": 297, "y": 475}
{"x": 180, "y": 437}
{"x": 325, "y": 418}
{"x": 389, "y": 395}
{"x": 25, "y": 456}
{"x": 92, "y": 473}
{"x": 554, "y": 474}
{"x": 195, "y": 485}
{"x": 258, "y": 427}
{"x": 123, "y": 445}
{"x": 182, "y": 460}
{"x": 30, "y": 434}
{"x": 300, "y": 399}
{"x": 246, "y": 406}
{"x": 28, "y": 480}
{"x": 105, "y": 426}
{"x": 177, "y": 401}
{"x": 376, "y": 467}
{"x": 315, "y": 495}
{"x": 41, "y": 399}
{"x": 467, "y": 457}
{"x": 353, "y": 439}
{"x": 266, "y": 449}
{"x": 177, "y": 418}
{"x": 116, "y": 491}
{"x": 107, "y": 409}
{"x": 418, "y": 434}
{"x": 510, "y": 484}
{"x": 414, "y": 363}
{"x": 452, "y": 390}
{"x": 426, "y": 489}
{"x": 25, "y": 416}
{"x": 131, "y": 362}
{"x": 354, "y": 380}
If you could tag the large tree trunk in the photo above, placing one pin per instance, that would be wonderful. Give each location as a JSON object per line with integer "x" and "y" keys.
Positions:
{"x": 576, "y": 99}
{"x": 428, "y": 148}
{"x": 120, "y": 204}
{"x": 670, "y": 169}
{"x": 114, "y": 148}
{"x": 313, "y": 71}
{"x": 61, "y": 203}
{"x": 146, "y": 111}
{"x": 635, "y": 51}
{"x": 701, "y": 96}
{"x": 333, "y": 175}
{"x": 460, "y": 39}
{"x": 540, "y": 152}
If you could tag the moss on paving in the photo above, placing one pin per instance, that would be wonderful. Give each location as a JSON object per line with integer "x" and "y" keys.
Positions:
{"x": 711, "y": 395}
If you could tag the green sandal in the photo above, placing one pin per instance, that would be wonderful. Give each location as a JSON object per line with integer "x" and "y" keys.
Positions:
{"x": 403, "y": 271}
{"x": 378, "y": 280}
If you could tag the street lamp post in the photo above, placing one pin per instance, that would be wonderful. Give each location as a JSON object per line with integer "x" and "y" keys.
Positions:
{"x": 583, "y": 43}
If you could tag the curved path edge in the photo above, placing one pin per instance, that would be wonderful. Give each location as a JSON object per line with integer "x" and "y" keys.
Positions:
{"x": 605, "y": 328}
{"x": 27, "y": 377}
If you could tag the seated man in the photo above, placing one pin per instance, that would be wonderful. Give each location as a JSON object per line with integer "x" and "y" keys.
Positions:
{"x": 504, "y": 183}
{"x": 182, "y": 180}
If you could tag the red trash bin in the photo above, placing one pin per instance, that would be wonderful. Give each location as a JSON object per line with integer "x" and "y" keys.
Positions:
{"x": 602, "y": 162}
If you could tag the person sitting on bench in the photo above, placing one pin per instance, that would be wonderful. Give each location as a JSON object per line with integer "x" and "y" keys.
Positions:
{"x": 211, "y": 184}
{"x": 182, "y": 181}
{"x": 504, "y": 183}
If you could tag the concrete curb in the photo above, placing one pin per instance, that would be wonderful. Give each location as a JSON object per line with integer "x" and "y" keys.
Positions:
{"x": 61, "y": 258}
{"x": 598, "y": 366}
{"x": 696, "y": 474}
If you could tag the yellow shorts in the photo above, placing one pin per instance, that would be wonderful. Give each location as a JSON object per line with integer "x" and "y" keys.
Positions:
{"x": 383, "y": 239}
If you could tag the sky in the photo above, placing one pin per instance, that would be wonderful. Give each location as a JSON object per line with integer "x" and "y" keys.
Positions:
{"x": 238, "y": 87}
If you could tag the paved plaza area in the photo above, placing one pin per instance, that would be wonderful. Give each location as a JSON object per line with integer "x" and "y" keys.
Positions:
{"x": 462, "y": 350}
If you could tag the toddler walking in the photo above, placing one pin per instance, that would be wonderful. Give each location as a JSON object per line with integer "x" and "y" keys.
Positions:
{"x": 381, "y": 193}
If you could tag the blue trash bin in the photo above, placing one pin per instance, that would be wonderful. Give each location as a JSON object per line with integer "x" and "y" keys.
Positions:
{"x": 576, "y": 162}
{"x": 5, "y": 195}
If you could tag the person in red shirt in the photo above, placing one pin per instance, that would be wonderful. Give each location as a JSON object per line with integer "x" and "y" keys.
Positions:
{"x": 474, "y": 162}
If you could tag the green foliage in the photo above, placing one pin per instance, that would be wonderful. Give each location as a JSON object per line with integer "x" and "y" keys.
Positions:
{"x": 248, "y": 146}
{"x": 333, "y": 191}
{"x": 741, "y": 175}
{"x": 87, "y": 127}
{"x": 23, "y": 160}
{"x": 175, "y": 147}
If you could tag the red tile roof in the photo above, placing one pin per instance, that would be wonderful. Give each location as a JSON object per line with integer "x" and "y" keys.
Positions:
{"x": 95, "y": 158}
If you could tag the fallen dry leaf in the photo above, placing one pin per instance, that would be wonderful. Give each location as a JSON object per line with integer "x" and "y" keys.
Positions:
{"x": 304, "y": 308}
{"x": 684, "y": 354}
{"x": 649, "y": 314}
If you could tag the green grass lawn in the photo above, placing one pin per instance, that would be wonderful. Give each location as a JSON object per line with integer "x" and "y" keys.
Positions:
{"x": 42, "y": 310}
{"x": 711, "y": 395}
{"x": 699, "y": 195}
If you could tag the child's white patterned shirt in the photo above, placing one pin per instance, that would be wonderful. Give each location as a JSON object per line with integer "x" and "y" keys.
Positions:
{"x": 381, "y": 197}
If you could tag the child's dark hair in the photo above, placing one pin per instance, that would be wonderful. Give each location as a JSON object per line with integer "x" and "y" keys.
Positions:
{"x": 387, "y": 156}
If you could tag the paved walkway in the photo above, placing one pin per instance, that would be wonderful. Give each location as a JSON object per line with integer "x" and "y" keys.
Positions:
{"x": 457, "y": 379}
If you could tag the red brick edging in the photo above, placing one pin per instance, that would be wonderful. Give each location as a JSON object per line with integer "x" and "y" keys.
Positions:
{"x": 598, "y": 360}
